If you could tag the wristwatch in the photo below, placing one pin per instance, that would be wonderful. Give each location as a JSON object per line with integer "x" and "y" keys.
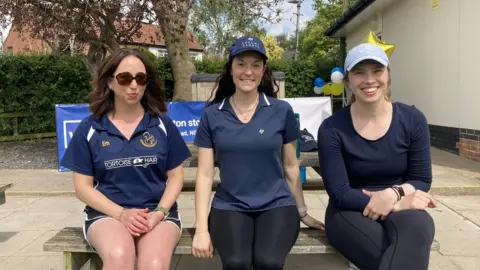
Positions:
{"x": 400, "y": 190}
{"x": 162, "y": 209}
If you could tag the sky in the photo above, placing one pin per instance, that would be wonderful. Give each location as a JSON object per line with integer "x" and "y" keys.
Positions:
{"x": 287, "y": 24}
{"x": 289, "y": 19}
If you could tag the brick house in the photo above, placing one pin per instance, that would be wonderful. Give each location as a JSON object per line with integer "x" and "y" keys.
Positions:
{"x": 434, "y": 65}
{"x": 20, "y": 42}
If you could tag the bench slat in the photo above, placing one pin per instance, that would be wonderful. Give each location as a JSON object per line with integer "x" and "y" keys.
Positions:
{"x": 309, "y": 241}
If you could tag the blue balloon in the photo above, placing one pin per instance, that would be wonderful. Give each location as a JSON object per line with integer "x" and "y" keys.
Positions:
{"x": 319, "y": 82}
{"x": 337, "y": 69}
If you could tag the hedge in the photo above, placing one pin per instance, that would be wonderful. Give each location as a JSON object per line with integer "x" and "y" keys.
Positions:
{"x": 35, "y": 83}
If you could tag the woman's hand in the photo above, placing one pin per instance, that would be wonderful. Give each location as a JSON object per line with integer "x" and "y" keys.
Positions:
{"x": 418, "y": 200}
{"x": 312, "y": 223}
{"x": 202, "y": 245}
{"x": 381, "y": 203}
{"x": 135, "y": 220}
{"x": 153, "y": 218}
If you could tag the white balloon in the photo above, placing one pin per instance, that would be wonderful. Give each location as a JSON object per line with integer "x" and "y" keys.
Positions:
{"x": 336, "y": 77}
{"x": 317, "y": 90}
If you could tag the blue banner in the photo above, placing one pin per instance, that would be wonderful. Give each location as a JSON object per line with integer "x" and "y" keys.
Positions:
{"x": 185, "y": 115}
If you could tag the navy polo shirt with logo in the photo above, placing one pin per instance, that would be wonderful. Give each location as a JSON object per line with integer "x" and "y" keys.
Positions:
{"x": 249, "y": 155}
{"x": 131, "y": 173}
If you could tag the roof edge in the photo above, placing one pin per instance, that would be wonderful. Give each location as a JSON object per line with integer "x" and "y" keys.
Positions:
{"x": 347, "y": 16}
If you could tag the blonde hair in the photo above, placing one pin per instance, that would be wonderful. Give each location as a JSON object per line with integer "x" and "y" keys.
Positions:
{"x": 351, "y": 97}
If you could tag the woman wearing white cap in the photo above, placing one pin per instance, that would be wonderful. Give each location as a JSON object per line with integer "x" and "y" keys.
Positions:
{"x": 376, "y": 167}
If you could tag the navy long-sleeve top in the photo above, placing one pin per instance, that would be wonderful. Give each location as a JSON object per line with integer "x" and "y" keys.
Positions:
{"x": 349, "y": 162}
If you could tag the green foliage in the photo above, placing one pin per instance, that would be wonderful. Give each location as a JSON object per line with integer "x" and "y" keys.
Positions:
{"x": 35, "y": 83}
{"x": 313, "y": 43}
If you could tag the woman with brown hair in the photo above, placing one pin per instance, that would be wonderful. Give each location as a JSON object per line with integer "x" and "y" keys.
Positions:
{"x": 255, "y": 214}
{"x": 375, "y": 163}
{"x": 121, "y": 157}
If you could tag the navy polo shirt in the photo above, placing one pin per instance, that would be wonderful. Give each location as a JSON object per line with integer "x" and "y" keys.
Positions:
{"x": 131, "y": 173}
{"x": 249, "y": 155}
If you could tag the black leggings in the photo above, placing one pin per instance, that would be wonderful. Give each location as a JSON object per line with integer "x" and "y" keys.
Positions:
{"x": 259, "y": 239}
{"x": 401, "y": 241}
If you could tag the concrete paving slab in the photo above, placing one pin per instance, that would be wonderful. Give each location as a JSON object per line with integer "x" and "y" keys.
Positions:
{"x": 56, "y": 204}
{"x": 34, "y": 263}
{"x": 447, "y": 220}
{"x": 5, "y": 214}
{"x": 75, "y": 219}
{"x": 466, "y": 263}
{"x": 17, "y": 242}
{"x": 2, "y": 259}
{"x": 45, "y": 185}
{"x": 35, "y": 248}
{"x": 472, "y": 215}
{"x": 459, "y": 203}
{"x": 459, "y": 243}
{"x": 17, "y": 204}
{"x": 31, "y": 221}
{"x": 312, "y": 200}
{"x": 323, "y": 198}
{"x": 440, "y": 262}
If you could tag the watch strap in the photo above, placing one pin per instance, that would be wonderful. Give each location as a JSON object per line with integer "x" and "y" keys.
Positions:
{"x": 162, "y": 209}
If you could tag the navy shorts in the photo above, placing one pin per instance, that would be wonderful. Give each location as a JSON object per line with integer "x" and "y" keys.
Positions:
{"x": 92, "y": 216}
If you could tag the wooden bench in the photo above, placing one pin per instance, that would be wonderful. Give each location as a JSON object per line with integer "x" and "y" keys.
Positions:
{"x": 78, "y": 253}
{"x": 3, "y": 188}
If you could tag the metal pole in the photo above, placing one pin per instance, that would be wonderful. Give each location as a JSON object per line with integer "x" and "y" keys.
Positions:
{"x": 343, "y": 50}
{"x": 296, "y": 31}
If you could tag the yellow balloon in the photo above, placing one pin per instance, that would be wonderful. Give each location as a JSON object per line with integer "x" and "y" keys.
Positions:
{"x": 337, "y": 89}
{"x": 373, "y": 39}
{"x": 326, "y": 89}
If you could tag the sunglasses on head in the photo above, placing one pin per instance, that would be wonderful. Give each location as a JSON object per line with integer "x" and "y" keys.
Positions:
{"x": 126, "y": 78}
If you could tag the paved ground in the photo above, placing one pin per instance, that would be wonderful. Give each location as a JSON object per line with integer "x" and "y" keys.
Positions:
{"x": 41, "y": 203}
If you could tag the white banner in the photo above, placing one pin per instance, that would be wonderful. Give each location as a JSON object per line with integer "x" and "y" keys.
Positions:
{"x": 312, "y": 110}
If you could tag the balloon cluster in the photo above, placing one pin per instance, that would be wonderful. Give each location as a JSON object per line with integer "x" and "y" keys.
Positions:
{"x": 335, "y": 87}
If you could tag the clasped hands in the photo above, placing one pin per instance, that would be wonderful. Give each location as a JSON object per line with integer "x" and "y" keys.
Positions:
{"x": 386, "y": 201}
{"x": 140, "y": 221}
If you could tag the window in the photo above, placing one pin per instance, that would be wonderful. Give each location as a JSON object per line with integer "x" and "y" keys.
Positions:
{"x": 9, "y": 51}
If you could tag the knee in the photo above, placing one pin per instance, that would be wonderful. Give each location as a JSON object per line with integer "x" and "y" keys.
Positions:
{"x": 154, "y": 262}
{"x": 120, "y": 257}
{"x": 269, "y": 262}
{"x": 416, "y": 224}
{"x": 237, "y": 263}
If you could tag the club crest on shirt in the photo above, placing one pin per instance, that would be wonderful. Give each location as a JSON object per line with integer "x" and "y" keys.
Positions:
{"x": 148, "y": 140}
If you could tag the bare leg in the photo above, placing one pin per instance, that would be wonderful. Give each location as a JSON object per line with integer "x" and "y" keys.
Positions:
{"x": 155, "y": 249}
{"x": 113, "y": 243}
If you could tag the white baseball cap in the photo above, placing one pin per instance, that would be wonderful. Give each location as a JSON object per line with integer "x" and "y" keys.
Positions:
{"x": 365, "y": 51}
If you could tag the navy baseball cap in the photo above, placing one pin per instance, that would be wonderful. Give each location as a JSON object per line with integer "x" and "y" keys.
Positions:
{"x": 365, "y": 51}
{"x": 247, "y": 43}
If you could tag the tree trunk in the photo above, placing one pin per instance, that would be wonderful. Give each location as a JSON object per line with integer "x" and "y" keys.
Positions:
{"x": 173, "y": 18}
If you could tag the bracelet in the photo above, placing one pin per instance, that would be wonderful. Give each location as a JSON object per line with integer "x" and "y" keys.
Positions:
{"x": 121, "y": 212}
{"x": 302, "y": 209}
{"x": 396, "y": 192}
{"x": 303, "y": 215}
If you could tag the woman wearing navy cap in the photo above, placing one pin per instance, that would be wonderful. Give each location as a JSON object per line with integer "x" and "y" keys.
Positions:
{"x": 375, "y": 161}
{"x": 122, "y": 156}
{"x": 255, "y": 214}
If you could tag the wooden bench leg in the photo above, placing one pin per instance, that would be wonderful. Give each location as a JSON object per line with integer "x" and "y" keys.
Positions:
{"x": 75, "y": 260}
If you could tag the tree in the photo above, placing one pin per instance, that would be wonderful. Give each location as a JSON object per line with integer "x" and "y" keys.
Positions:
{"x": 287, "y": 43}
{"x": 273, "y": 50}
{"x": 174, "y": 28}
{"x": 103, "y": 25}
{"x": 222, "y": 21}
{"x": 313, "y": 43}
